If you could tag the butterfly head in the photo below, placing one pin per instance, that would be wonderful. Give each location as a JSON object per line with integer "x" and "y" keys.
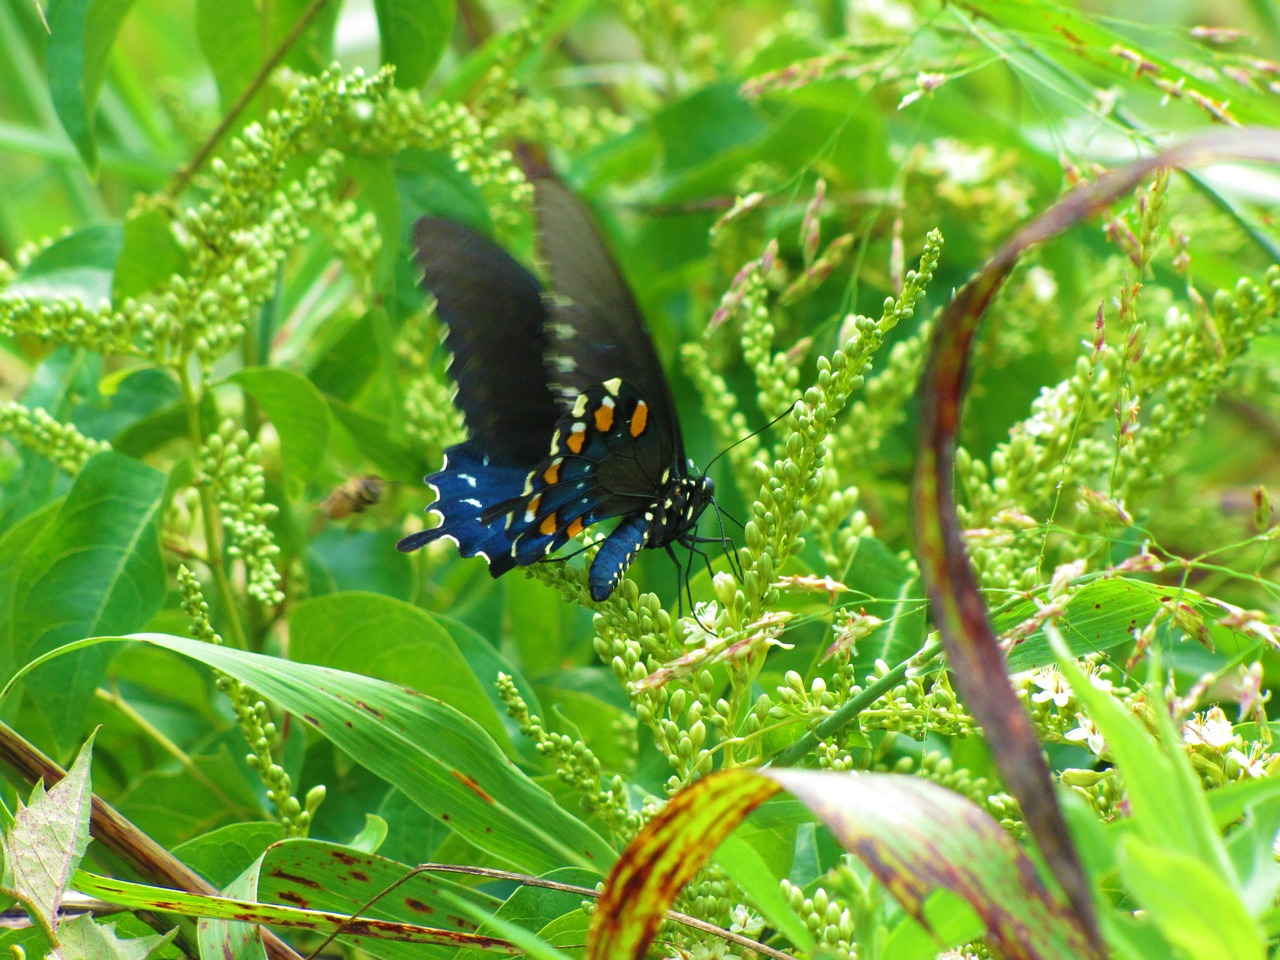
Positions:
{"x": 677, "y": 513}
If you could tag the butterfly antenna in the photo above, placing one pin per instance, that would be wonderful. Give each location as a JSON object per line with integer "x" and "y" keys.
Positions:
{"x": 753, "y": 433}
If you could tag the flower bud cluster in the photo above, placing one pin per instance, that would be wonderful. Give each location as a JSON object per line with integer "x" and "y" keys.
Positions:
{"x": 232, "y": 468}
{"x": 60, "y": 443}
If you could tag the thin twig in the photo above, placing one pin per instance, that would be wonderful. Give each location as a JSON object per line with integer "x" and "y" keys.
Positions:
{"x": 183, "y": 177}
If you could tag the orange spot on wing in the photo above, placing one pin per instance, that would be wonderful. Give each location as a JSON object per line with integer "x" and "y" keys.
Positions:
{"x": 574, "y": 528}
{"x": 552, "y": 473}
{"x": 604, "y": 418}
{"x": 548, "y": 525}
{"x": 534, "y": 502}
{"x": 639, "y": 419}
{"x": 575, "y": 440}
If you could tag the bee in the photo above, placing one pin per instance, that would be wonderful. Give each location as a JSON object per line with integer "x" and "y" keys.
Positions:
{"x": 354, "y": 496}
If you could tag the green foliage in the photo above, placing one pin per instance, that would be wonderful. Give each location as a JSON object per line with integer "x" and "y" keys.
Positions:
{"x": 202, "y": 348}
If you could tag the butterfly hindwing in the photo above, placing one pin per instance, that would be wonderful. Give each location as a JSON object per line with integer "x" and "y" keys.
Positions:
{"x": 605, "y": 461}
{"x": 466, "y": 483}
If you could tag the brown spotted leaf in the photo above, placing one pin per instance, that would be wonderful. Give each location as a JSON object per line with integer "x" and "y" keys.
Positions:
{"x": 915, "y": 836}
{"x": 958, "y": 608}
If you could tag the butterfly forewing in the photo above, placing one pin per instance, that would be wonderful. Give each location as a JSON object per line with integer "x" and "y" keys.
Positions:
{"x": 596, "y": 331}
{"x": 495, "y": 321}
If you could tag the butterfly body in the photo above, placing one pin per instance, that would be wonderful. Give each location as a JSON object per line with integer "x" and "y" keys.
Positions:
{"x": 569, "y": 417}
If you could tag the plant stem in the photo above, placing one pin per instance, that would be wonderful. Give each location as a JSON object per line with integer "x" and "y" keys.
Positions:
{"x": 851, "y": 708}
{"x": 208, "y": 513}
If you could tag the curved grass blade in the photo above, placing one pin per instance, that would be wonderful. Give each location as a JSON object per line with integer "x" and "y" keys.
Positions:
{"x": 436, "y": 755}
{"x": 958, "y": 608}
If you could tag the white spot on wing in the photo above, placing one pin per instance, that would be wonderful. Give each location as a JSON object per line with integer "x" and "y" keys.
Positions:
{"x": 472, "y": 502}
{"x": 468, "y": 479}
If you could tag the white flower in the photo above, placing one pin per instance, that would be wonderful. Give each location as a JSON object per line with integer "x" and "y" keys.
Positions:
{"x": 1211, "y": 728}
{"x": 1053, "y": 686}
{"x": 1089, "y": 733}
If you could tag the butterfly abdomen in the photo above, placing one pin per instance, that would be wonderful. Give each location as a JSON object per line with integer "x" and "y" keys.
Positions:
{"x": 615, "y": 555}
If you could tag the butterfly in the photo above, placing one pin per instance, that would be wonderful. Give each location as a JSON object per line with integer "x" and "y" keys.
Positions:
{"x": 569, "y": 417}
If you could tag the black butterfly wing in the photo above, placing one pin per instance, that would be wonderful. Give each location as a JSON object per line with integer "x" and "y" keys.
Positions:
{"x": 607, "y": 459}
{"x": 494, "y": 320}
{"x": 596, "y": 332}
{"x": 495, "y": 323}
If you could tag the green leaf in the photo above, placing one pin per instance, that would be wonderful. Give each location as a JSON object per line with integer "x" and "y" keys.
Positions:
{"x": 15, "y": 546}
{"x": 414, "y": 34}
{"x": 439, "y": 757}
{"x": 79, "y": 265}
{"x": 394, "y": 641}
{"x": 83, "y": 938}
{"x": 1189, "y": 902}
{"x": 230, "y": 32}
{"x": 705, "y": 124}
{"x": 895, "y": 591}
{"x": 222, "y": 855}
{"x": 236, "y": 37}
{"x": 343, "y": 559}
{"x": 533, "y": 908}
{"x": 96, "y": 568}
{"x": 47, "y": 841}
{"x": 1100, "y": 616}
{"x": 150, "y": 254}
{"x": 298, "y": 412}
{"x": 81, "y": 34}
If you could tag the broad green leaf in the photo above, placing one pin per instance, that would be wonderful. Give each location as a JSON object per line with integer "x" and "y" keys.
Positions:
{"x": 230, "y": 32}
{"x": 533, "y": 908}
{"x": 83, "y": 938}
{"x": 15, "y": 545}
{"x": 298, "y": 412}
{"x": 375, "y": 440}
{"x": 343, "y": 360}
{"x": 237, "y": 37}
{"x": 895, "y": 597}
{"x": 96, "y": 568}
{"x": 696, "y": 130}
{"x": 439, "y": 757}
{"x": 81, "y": 34}
{"x": 46, "y": 843}
{"x": 1189, "y": 902}
{"x": 1102, "y": 616}
{"x": 223, "y": 854}
{"x": 80, "y": 265}
{"x": 486, "y": 662}
{"x": 414, "y": 33}
{"x": 150, "y": 254}
{"x": 394, "y": 641}
{"x": 341, "y": 559}
{"x": 1250, "y": 849}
